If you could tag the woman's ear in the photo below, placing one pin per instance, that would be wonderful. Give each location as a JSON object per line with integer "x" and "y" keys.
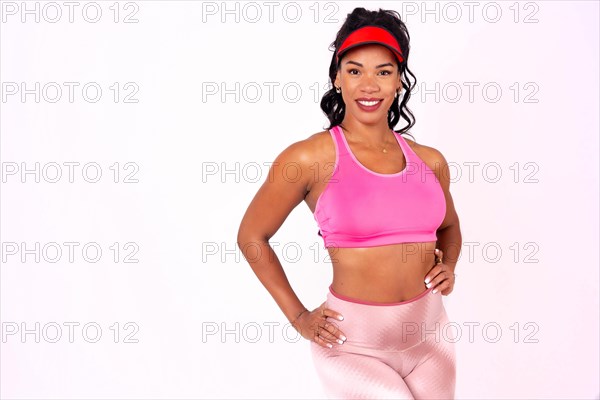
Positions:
{"x": 337, "y": 82}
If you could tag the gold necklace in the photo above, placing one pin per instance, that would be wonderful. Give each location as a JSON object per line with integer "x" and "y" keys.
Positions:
{"x": 384, "y": 150}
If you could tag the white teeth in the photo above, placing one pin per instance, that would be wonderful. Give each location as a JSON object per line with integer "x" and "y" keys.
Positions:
{"x": 368, "y": 103}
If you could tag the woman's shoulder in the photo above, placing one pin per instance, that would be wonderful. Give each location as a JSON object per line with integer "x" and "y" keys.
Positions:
{"x": 318, "y": 137}
{"x": 429, "y": 154}
{"x": 309, "y": 149}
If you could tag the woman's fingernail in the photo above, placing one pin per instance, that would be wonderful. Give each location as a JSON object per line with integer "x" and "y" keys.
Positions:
{"x": 340, "y": 317}
{"x": 428, "y": 285}
{"x": 426, "y": 281}
{"x": 329, "y": 345}
{"x": 434, "y": 290}
{"x": 343, "y": 337}
{"x": 340, "y": 342}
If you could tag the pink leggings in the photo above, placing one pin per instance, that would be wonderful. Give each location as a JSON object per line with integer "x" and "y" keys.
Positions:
{"x": 393, "y": 350}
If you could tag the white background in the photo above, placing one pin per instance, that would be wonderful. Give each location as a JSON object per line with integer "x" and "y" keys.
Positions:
{"x": 200, "y": 157}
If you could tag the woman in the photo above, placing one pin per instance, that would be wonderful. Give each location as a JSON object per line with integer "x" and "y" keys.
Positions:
{"x": 387, "y": 220}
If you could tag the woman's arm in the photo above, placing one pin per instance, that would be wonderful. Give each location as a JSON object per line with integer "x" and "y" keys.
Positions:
{"x": 284, "y": 188}
{"x": 449, "y": 235}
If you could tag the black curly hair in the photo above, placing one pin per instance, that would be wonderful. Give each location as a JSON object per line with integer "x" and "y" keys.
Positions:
{"x": 332, "y": 104}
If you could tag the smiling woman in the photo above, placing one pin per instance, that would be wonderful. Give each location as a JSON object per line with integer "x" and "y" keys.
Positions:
{"x": 386, "y": 217}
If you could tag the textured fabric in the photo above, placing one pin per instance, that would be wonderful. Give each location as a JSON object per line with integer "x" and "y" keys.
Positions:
{"x": 363, "y": 208}
{"x": 393, "y": 350}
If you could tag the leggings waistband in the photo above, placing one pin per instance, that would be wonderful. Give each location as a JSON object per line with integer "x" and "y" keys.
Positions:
{"x": 387, "y": 326}
{"x": 372, "y": 303}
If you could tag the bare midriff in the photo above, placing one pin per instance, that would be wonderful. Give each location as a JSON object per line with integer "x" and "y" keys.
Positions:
{"x": 385, "y": 274}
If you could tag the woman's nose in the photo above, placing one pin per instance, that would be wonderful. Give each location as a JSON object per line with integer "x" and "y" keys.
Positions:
{"x": 369, "y": 82}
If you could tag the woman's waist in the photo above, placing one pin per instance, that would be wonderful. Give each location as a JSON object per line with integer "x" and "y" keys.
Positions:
{"x": 380, "y": 282}
{"x": 391, "y": 326}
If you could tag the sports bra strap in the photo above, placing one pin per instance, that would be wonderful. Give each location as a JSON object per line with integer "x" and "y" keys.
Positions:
{"x": 339, "y": 140}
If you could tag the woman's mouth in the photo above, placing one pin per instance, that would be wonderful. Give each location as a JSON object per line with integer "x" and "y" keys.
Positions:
{"x": 368, "y": 105}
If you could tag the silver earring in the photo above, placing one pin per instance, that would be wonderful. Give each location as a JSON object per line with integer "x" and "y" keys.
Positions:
{"x": 338, "y": 90}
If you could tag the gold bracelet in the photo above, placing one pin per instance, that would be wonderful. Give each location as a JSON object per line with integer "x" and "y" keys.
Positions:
{"x": 298, "y": 316}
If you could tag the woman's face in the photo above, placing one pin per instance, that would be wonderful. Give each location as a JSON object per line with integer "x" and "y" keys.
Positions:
{"x": 368, "y": 72}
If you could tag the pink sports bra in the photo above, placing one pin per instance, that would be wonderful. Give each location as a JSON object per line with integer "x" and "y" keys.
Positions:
{"x": 363, "y": 208}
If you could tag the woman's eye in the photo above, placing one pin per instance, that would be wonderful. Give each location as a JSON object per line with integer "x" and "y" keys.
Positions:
{"x": 385, "y": 72}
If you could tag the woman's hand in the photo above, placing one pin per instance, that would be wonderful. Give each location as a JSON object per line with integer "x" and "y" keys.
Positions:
{"x": 441, "y": 277}
{"x": 314, "y": 326}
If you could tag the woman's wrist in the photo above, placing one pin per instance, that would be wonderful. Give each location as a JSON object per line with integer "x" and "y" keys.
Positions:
{"x": 298, "y": 316}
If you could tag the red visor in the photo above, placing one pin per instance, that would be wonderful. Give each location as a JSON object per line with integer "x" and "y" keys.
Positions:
{"x": 367, "y": 35}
